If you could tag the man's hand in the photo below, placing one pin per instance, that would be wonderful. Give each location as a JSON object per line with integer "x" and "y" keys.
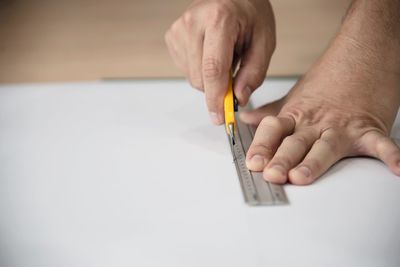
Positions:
{"x": 212, "y": 36}
{"x": 344, "y": 106}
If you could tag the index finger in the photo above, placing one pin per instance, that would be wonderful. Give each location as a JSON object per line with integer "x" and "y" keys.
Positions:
{"x": 217, "y": 60}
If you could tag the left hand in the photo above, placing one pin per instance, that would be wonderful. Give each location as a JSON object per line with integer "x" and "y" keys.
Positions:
{"x": 339, "y": 109}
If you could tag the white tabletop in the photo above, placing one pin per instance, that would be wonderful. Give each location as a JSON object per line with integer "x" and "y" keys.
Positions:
{"x": 133, "y": 174}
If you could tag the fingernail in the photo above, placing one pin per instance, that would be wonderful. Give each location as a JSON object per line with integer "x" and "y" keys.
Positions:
{"x": 257, "y": 162}
{"x": 304, "y": 171}
{"x": 275, "y": 172}
{"x": 215, "y": 118}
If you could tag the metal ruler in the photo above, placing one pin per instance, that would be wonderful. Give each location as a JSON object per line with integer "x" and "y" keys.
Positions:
{"x": 256, "y": 191}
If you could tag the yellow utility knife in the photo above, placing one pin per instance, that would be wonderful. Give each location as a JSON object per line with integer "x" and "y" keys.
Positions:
{"x": 230, "y": 106}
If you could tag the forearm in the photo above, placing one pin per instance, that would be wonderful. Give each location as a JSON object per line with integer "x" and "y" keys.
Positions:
{"x": 374, "y": 28}
{"x": 363, "y": 60}
{"x": 366, "y": 50}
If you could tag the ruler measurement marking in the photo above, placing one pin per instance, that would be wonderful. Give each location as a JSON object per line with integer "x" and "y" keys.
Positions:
{"x": 249, "y": 190}
{"x": 256, "y": 190}
{"x": 251, "y": 134}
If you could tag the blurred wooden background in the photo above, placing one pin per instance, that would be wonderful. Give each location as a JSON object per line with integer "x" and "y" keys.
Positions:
{"x": 69, "y": 40}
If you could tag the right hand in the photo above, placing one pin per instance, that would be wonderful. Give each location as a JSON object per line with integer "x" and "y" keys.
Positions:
{"x": 212, "y": 36}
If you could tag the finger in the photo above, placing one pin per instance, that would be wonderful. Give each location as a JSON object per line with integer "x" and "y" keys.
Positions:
{"x": 325, "y": 152}
{"x": 254, "y": 117}
{"x": 292, "y": 150}
{"x": 216, "y": 64}
{"x": 194, "y": 51}
{"x": 376, "y": 144}
{"x": 177, "y": 57}
{"x": 238, "y": 51}
{"x": 194, "y": 56}
{"x": 253, "y": 67}
{"x": 268, "y": 137}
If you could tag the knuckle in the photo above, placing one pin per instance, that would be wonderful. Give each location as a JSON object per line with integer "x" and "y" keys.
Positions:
{"x": 212, "y": 68}
{"x": 333, "y": 133}
{"x": 258, "y": 73}
{"x": 330, "y": 144}
{"x": 285, "y": 161}
{"x": 262, "y": 149}
{"x": 175, "y": 27}
{"x": 314, "y": 165}
{"x": 369, "y": 141}
{"x": 270, "y": 121}
{"x": 196, "y": 82}
{"x": 218, "y": 11}
{"x": 295, "y": 110}
{"x": 188, "y": 19}
{"x": 296, "y": 139}
{"x": 381, "y": 143}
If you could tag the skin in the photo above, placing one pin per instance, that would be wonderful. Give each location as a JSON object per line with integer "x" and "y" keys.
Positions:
{"x": 213, "y": 35}
{"x": 344, "y": 106}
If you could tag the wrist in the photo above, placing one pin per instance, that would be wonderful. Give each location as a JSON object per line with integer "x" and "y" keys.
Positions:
{"x": 351, "y": 65}
{"x": 351, "y": 59}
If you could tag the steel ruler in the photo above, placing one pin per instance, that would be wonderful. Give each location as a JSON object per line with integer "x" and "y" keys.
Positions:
{"x": 256, "y": 191}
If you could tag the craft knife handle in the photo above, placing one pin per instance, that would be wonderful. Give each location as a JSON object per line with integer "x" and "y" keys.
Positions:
{"x": 230, "y": 106}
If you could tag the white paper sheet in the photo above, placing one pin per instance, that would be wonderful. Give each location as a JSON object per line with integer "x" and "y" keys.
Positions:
{"x": 133, "y": 174}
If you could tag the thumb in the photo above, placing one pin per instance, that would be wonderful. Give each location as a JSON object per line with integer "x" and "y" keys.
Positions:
{"x": 253, "y": 67}
{"x": 254, "y": 117}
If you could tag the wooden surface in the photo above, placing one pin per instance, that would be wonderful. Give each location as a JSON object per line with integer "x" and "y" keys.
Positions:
{"x": 63, "y": 40}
